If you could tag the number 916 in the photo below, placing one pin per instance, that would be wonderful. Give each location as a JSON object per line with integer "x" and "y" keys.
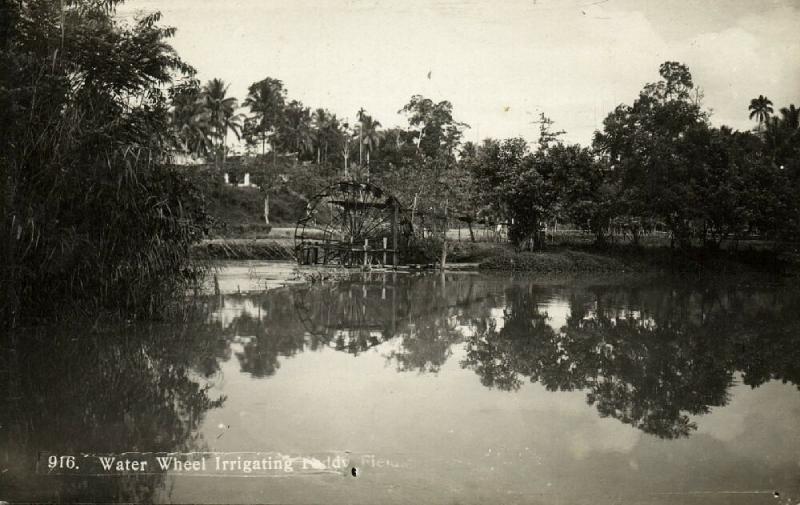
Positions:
{"x": 61, "y": 462}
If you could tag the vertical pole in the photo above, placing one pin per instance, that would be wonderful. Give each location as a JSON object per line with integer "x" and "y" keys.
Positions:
{"x": 366, "y": 245}
{"x": 385, "y": 242}
{"x": 394, "y": 235}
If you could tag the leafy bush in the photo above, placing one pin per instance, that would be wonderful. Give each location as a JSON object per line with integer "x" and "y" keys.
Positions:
{"x": 422, "y": 250}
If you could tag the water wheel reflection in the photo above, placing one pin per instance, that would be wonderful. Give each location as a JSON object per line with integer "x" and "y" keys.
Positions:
{"x": 351, "y": 316}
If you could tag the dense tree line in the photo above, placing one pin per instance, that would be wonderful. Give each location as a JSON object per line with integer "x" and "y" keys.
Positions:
{"x": 418, "y": 164}
{"x": 657, "y": 163}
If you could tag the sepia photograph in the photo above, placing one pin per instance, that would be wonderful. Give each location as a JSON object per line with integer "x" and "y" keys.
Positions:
{"x": 458, "y": 252}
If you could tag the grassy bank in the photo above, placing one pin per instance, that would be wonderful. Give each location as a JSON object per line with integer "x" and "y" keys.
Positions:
{"x": 633, "y": 259}
{"x": 557, "y": 259}
{"x": 238, "y": 212}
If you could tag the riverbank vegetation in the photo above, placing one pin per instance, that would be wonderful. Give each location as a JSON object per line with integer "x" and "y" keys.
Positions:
{"x": 92, "y": 214}
{"x": 99, "y": 207}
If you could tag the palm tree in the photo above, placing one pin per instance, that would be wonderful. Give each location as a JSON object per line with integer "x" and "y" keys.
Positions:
{"x": 296, "y": 129}
{"x": 371, "y": 137}
{"x": 773, "y": 134}
{"x": 760, "y": 108}
{"x": 265, "y": 99}
{"x": 781, "y": 135}
{"x": 326, "y": 132}
{"x": 191, "y": 121}
{"x": 222, "y": 110}
{"x": 790, "y": 117}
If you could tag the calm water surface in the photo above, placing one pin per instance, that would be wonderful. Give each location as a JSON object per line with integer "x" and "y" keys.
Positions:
{"x": 468, "y": 388}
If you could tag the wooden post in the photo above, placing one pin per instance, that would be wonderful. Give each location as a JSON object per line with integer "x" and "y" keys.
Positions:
{"x": 394, "y": 235}
{"x": 394, "y": 304}
{"x": 366, "y": 245}
{"x": 385, "y": 242}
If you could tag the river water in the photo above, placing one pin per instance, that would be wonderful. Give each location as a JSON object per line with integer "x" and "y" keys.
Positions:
{"x": 462, "y": 388}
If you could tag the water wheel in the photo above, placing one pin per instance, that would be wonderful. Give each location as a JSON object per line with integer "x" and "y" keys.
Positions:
{"x": 349, "y": 223}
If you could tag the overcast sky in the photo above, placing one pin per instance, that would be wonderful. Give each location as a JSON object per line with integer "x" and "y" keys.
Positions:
{"x": 499, "y": 63}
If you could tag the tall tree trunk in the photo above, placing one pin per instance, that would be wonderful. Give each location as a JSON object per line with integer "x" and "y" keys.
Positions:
{"x": 443, "y": 261}
{"x": 266, "y": 208}
{"x": 224, "y": 147}
{"x": 471, "y": 232}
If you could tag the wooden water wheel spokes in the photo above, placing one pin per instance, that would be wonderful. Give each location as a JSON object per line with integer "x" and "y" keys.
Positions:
{"x": 341, "y": 220}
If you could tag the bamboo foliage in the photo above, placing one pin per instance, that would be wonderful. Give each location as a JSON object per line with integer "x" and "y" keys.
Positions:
{"x": 92, "y": 214}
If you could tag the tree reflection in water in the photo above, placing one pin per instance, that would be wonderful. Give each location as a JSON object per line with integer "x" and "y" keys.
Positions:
{"x": 650, "y": 357}
{"x": 128, "y": 388}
